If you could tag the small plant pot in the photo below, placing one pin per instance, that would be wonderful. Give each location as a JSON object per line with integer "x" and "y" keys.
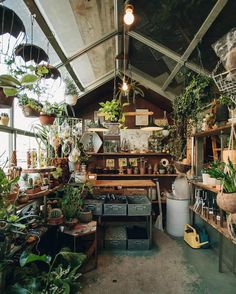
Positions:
{"x": 5, "y": 102}
{"x": 86, "y": 216}
{"x": 71, "y": 100}
{"x": 129, "y": 171}
{"x": 162, "y": 171}
{"x": 205, "y": 178}
{"x": 142, "y": 170}
{"x": 56, "y": 221}
{"x": 227, "y": 201}
{"x": 4, "y": 120}
{"x": 11, "y": 197}
{"x": 30, "y": 112}
{"x": 46, "y": 119}
{"x": 22, "y": 199}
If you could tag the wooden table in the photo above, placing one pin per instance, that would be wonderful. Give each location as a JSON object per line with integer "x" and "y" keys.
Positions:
{"x": 148, "y": 184}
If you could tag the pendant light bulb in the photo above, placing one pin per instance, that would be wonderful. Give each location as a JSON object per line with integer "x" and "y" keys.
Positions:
{"x": 129, "y": 16}
{"x": 124, "y": 86}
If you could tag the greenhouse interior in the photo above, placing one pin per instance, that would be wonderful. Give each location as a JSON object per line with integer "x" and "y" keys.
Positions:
{"x": 117, "y": 146}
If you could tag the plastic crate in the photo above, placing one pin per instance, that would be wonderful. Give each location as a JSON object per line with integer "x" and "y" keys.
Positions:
{"x": 138, "y": 238}
{"x": 139, "y": 205}
{"x": 111, "y": 208}
{"x": 95, "y": 205}
{"x": 116, "y": 238}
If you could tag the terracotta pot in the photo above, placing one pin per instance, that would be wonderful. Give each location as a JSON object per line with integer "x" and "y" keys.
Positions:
{"x": 129, "y": 171}
{"x": 227, "y": 201}
{"x": 56, "y": 221}
{"x": 86, "y": 216}
{"x": 22, "y": 199}
{"x": 30, "y": 112}
{"x": 47, "y": 119}
{"x": 5, "y": 102}
{"x": 142, "y": 170}
{"x": 4, "y": 120}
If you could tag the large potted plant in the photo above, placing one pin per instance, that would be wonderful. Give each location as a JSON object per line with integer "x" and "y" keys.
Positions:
{"x": 30, "y": 107}
{"x": 226, "y": 174}
{"x": 71, "y": 92}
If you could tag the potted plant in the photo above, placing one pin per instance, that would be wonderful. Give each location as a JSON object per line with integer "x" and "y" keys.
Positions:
{"x": 71, "y": 92}
{"x": 48, "y": 113}
{"x": 4, "y": 119}
{"x": 229, "y": 102}
{"x": 129, "y": 168}
{"x": 30, "y": 107}
{"x": 226, "y": 174}
{"x": 55, "y": 217}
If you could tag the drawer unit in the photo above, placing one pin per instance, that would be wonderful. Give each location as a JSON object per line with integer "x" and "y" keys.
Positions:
{"x": 116, "y": 238}
{"x": 139, "y": 205}
{"x": 137, "y": 238}
{"x": 96, "y": 206}
{"x": 115, "y": 206}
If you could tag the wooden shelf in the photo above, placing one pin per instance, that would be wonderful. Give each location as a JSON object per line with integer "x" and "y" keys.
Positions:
{"x": 138, "y": 175}
{"x": 205, "y": 187}
{"x": 128, "y": 154}
{"x": 223, "y": 230}
{"x": 39, "y": 170}
{"x": 216, "y": 131}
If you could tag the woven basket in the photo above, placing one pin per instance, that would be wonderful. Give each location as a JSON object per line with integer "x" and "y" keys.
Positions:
{"x": 227, "y": 201}
{"x": 181, "y": 167}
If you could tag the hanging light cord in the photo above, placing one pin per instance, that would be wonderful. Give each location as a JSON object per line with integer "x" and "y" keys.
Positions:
{"x": 124, "y": 53}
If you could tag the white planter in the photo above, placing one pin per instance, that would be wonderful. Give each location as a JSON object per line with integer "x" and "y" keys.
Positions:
{"x": 205, "y": 178}
{"x": 212, "y": 182}
{"x": 71, "y": 100}
{"x": 165, "y": 133}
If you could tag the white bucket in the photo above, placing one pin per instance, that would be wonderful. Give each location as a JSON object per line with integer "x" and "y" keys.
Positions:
{"x": 177, "y": 215}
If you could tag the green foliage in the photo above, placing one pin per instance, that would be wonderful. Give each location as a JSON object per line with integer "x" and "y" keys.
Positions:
{"x": 55, "y": 213}
{"x": 225, "y": 172}
{"x": 57, "y": 109}
{"x": 227, "y": 100}
{"x": 111, "y": 109}
{"x": 71, "y": 88}
{"x": 24, "y": 100}
{"x": 72, "y": 201}
{"x": 187, "y": 106}
{"x": 61, "y": 276}
{"x": 41, "y": 70}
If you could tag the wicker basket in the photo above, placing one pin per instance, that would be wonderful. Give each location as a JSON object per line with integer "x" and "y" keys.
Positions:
{"x": 162, "y": 121}
{"x": 181, "y": 167}
{"x": 227, "y": 201}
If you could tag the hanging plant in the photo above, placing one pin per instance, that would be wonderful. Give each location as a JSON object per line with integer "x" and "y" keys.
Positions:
{"x": 187, "y": 106}
{"x": 71, "y": 92}
{"x": 30, "y": 107}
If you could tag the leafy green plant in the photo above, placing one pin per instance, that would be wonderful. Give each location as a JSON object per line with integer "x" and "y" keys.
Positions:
{"x": 54, "y": 109}
{"x": 225, "y": 173}
{"x": 60, "y": 277}
{"x": 71, "y": 88}
{"x": 111, "y": 110}
{"x": 227, "y": 100}
{"x": 72, "y": 201}
{"x": 24, "y": 100}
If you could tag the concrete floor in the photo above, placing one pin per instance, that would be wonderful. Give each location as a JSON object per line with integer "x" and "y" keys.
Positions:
{"x": 170, "y": 267}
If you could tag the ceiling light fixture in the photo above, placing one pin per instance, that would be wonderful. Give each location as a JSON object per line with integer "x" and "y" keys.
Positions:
{"x": 129, "y": 16}
{"x": 97, "y": 127}
{"x": 151, "y": 126}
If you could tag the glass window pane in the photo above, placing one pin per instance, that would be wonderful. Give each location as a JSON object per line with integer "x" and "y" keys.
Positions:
{"x": 78, "y": 23}
{"x": 23, "y": 144}
{"x": 150, "y": 61}
{"x": 4, "y": 148}
{"x": 171, "y": 23}
{"x": 96, "y": 63}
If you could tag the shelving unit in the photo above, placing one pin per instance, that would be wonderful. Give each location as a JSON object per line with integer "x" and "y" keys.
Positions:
{"x": 128, "y": 154}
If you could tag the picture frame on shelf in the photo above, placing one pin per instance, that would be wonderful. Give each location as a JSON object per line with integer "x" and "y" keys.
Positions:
{"x": 133, "y": 161}
{"x": 110, "y": 163}
{"x": 122, "y": 162}
{"x": 141, "y": 120}
{"x": 111, "y": 146}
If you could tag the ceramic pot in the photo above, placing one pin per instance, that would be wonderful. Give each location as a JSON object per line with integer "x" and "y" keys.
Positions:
{"x": 142, "y": 170}
{"x": 222, "y": 113}
{"x": 46, "y": 119}
{"x": 30, "y": 112}
{"x": 86, "y": 216}
{"x": 227, "y": 201}
{"x": 4, "y": 120}
{"x": 205, "y": 178}
{"x": 71, "y": 100}
{"x": 129, "y": 171}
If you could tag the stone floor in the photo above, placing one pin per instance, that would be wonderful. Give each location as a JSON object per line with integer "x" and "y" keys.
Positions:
{"x": 170, "y": 267}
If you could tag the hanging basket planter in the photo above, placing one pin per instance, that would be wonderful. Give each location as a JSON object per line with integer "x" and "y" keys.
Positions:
{"x": 227, "y": 201}
{"x": 46, "y": 119}
{"x": 5, "y": 102}
{"x": 12, "y": 24}
{"x": 30, "y": 112}
{"x": 71, "y": 100}
{"x": 47, "y": 72}
{"x": 30, "y": 52}
{"x": 181, "y": 167}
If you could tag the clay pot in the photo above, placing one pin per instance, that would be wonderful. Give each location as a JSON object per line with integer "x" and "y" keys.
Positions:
{"x": 46, "y": 119}
{"x": 129, "y": 171}
{"x": 5, "y": 102}
{"x": 142, "y": 170}
{"x": 227, "y": 201}
{"x": 86, "y": 216}
{"x": 22, "y": 199}
{"x": 4, "y": 120}
{"x": 71, "y": 100}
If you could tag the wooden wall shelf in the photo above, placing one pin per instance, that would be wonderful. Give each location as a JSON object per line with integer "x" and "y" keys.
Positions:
{"x": 205, "y": 187}
{"x": 138, "y": 175}
{"x": 216, "y": 131}
{"x": 128, "y": 154}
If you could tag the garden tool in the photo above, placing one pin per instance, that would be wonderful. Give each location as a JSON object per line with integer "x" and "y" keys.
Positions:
{"x": 159, "y": 223}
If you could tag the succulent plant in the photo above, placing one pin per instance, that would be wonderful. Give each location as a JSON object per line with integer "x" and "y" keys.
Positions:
{"x": 4, "y": 114}
{"x": 55, "y": 213}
